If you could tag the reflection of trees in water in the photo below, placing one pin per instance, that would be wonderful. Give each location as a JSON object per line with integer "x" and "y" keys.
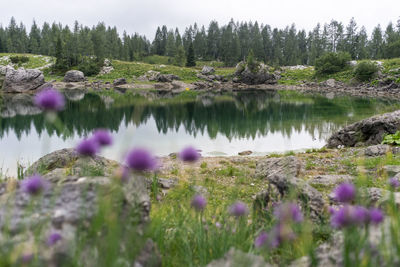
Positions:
{"x": 245, "y": 115}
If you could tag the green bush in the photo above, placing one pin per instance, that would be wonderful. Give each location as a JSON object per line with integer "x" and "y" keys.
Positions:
{"x": 19, "y": 59}
{"x": 365, "y": 70}
{"x": 331, "y": 63}
{"x": 89, "y": 66}
{"x": 392, "y": 139}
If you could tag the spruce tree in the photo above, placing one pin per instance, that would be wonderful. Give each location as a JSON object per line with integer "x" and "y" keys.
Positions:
{"x": 190, "y": 60}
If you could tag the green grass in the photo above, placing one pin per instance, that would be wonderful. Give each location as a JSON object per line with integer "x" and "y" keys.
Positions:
{"x": 296, "y": 77}
{"x": 35, "y": 61}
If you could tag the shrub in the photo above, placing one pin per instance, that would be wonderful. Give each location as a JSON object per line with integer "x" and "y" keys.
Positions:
{"x": 19, "y": 59}
{"x": 331, "y": 63}
{"x": 365, "y": 70}
{"x": 89, "y": 66}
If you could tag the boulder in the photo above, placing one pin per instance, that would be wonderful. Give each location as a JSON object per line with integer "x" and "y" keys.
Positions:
{"x": 149, "y": 256}
{"x": 74, "y": 76}
{"x": 285, "y": 166}
{"x": 330, "y": 179}
{"x": 207, "y": 70}
{"x": 164, "y": 78}
{"x": 259, "y": 75}
{"x": 330, "y": 83}
{"x": 245, "y": 153}
{"x": 106, "y": 70}
{"x": 76, "y": 188}
{"x": 377, "y": 150}
{"x": 21, "y": 80}
{"x": 237, "y": 258}
{"x": 119, "y": 81}
{"x": 366, "y": 132}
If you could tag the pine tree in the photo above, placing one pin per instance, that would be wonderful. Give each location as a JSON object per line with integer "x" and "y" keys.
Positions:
{"x": 180, "y": 59}
{"x": 190, "y": 60}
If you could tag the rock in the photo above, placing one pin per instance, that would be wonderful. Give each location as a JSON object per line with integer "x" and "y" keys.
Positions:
{"x": 74, "y": 76}
{"x": 377, "y": 150}
{"x": 391, "y": 170}
{"x": 179, "y": 85}
{"x": 245, "y": 153}
{"x": 286, "y": 166}
{"x": 119, "y": 81}
{"x": 266, "y": 199}
{"x": 106, "y": 70}
{"x": 152, "y": 75}
{"x": 329, "y": 180}
{"x": 163, "y": 78}
{"x": 207, "y": 70}
{"x": 107, "y": 62}
{"x": 259, "y": 75}
{"x": 330, "y": 83}
{"x": 237, "y": 258}
{"x": 21, "y": 80}
{"x": 366, "y": 132}
{"x": 149, "y": 256}
{"x": 75, "y": 186}
{"x": 167, "y": 183}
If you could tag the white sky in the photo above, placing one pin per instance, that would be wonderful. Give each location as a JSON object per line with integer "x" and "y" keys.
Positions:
{"x": 143, "y": 16}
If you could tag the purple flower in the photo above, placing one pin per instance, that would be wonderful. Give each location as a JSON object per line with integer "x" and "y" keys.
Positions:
{"x": 361, "y": 215}
{"x": 50, "y": 99}
{"x": 345, "y": 192}
{"x": 102, "y": 137}
{"x": 141, "y": 160}
{"x": 394, "y": 183}
{"x": 34, "y": 185}
{"x": 189, "y": 154}
{"x": 343, "y": 217}
{"x": 238, "y": 209}
{"x": 53, "y": 238}
{"x": 199, "y": 203}
{"x": 88, "y": 147}
{"x": 218, "y": 225}
{"x": 376, "y": 216}
{"x": 288, "y": 212}
{"x": 26, "y": 258}
{"x": 261, "y": 240}
{"x": 122, "y": 173}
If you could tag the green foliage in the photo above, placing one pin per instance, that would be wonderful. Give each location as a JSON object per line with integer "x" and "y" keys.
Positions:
{"x": 180, "y": 58}
{"x": 331, "y": 63}
{"x": 392, "y": 139}
{"x": 156, "y": 59}
{"x": 294, "y": 77}
{"x": 190, "y": 59}
{"x": 89, "y": 66}
{"x": 19, "y": 59}
{"x": 251, "y": 62}
{"x": 365, "y": 70}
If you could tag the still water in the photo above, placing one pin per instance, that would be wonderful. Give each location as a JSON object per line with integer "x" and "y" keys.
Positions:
{"x": 263, "y": 122}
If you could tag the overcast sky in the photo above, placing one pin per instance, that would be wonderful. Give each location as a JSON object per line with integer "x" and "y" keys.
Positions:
{"x": 143, "y": 16}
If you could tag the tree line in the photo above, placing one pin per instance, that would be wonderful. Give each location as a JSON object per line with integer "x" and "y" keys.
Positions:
{"x": 228, "y": 43}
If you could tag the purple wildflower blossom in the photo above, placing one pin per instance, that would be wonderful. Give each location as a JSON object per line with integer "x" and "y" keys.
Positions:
{"x": 361, "y": 215}
{"x": 345, "y": 192}
{"x": 53, "y": 239}
{"x": 26, "y": 258}
{"x": 394, "y": 183}
{"x": 50, "y": 99}
{"x": 199, "y": 203}
{"x": 218, "y": 225}
{"x": 343, "y": 217}
{"x": 141, "y": 160}
{"x": 88, "y": 147}
{"x": 238, "y": 209}
{"x": 102, "y": 137}
{"x": 376, "y": 216}
{"x": 288, "y": 212}
{"x": 34, "y": 185}
{"x": 189, "y": 154}
{"x": 261, "y": 240}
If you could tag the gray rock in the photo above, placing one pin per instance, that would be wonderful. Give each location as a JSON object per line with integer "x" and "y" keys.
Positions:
{"x": 207, "y": 70}
{"x": 377, "y": 150}
{"x": 285, "y": 166}
{"x": 237, "y": 258}
{"x": 149, "y": 256}
{"x": 392, "y": 170}
{"x": 22, "y": 80}
{"x": 167, "y": 183}
{"x": 259, "y": 75}
{"x": 119, "y": 81}
{"x": 329, "y": 180}
{"x": 245, "y": 153}
{"x": 106, "y": 70}
{"x": 330, "y": 83}
{"x": 163, "y": 78}
{"x": 366, "y": 132}
{"x": 74, "y": 76}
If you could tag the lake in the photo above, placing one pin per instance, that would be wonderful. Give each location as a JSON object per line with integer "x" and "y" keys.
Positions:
{"x": 217, "y": 124}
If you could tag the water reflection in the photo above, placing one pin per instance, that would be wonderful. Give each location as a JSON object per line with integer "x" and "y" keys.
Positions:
{"x": 264, "y": 121}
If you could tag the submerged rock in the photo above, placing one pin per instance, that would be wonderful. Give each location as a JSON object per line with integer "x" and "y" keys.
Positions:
{"x": 21, "y": 80}
{"x": 366, "y": 132}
